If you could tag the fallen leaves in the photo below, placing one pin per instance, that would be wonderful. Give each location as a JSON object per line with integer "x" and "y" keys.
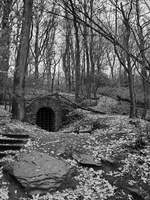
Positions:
{"x": 111, "y": 143}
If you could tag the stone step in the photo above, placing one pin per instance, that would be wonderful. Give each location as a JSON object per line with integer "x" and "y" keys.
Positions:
{"x": 5, "y": 147}
{"x": 12, "y": 141}
{"x": 16, "y": 136}
{"x": 5, "y": 154}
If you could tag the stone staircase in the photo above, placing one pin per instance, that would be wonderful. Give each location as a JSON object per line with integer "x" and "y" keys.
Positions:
{"x": 10, "y": 144}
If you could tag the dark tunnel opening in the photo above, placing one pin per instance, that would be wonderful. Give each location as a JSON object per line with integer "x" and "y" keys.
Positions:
{"x": 45, "y": 118}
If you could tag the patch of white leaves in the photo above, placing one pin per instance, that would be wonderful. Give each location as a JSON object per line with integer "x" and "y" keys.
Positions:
{"x": 4, "y": 193}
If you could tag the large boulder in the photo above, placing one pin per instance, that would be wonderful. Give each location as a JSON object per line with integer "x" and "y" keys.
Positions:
{"x": 39, "y": 172}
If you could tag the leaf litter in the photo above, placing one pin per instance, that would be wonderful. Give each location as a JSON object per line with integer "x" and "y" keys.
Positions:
{"x": 122, "y": 146}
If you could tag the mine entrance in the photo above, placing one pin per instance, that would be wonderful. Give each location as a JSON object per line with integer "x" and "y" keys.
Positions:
{"x": 45, "y": 118}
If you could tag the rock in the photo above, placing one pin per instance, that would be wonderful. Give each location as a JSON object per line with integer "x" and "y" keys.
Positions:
{"x": 39, "y": 172}
{"x": 65, "y": 151}
{"x": 113, "y": 164}
{"x": 86, "y": 160}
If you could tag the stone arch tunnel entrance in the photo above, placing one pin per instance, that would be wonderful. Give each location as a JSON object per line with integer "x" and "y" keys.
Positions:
{"x": 48, "y": 112}
{"x": 45, "y": 118}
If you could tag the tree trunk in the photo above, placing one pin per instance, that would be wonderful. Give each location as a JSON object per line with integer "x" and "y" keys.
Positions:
{"x": 144, "y": 64}
{"x": 36, "y": 63}
{"x": 83, "y": 74}
{"x": 49, "y": 59}
{"x": 58, "y": 80}
{"x": 4, "y": 44}
{"x": 72, "y": 52}
{"x": 145, "y": 91}
{"x": 53, "y": 79}
{"x": 131, "y": 88}
{"x": 49, "y": 76}
{"x": 132, "y": 95}
{"x": 77, "y": 69}
{"x": 67, "y": 53}
{"x": 128, "y": 68}
{"x": 91, "y": 51}
{"x": 77, "y": 55}
{"x": 88, "y": 82}
{"x": 18, "y": 104}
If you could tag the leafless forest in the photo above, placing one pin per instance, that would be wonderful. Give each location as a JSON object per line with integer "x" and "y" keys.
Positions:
{"x": 88, "y": 58}
{"x": 76, "y": 47}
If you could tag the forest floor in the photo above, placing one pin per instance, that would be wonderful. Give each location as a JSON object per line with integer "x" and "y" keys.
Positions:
{"x": 123, "y": 144}
{"x": 123, "y": 92}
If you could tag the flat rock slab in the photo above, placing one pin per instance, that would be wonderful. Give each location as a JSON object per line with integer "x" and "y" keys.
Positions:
{"x": 39, "y": 172}
{"x": 86, "y": 160}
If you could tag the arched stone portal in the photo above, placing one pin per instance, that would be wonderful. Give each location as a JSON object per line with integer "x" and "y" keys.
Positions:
{"x": 46, "y": 112}
{"x": 45, "y": 118}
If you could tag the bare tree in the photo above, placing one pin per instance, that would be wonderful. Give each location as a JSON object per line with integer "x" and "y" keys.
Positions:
{"x": 141, "y": 44}
{"x": 5, "y": 43}
{"x": 126, "y": 61}
{"x": 67, "y": 52}
{"x": 77, "y": 54}
{"x": 40, "y": 38}
{"x": 18, "y": 104}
